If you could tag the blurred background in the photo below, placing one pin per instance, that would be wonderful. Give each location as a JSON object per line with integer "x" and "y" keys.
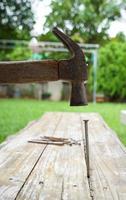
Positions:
{"x": 99, "y": 26}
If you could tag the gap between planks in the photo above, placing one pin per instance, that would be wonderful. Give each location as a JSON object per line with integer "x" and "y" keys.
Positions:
{"x": 107, "y": 156}
{"x": 18, "y": 157}
{"x": 35, "y": 163}
{"x": 62, "y": 170}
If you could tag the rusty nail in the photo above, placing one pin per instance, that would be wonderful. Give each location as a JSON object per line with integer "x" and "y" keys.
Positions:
{"x": 87, "y": 147}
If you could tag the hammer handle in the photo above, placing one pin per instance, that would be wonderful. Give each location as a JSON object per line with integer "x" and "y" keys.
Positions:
{"x": 28, "y": 71}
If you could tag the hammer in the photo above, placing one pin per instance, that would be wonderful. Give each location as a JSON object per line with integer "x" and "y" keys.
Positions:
{"x": 73, "y": 70}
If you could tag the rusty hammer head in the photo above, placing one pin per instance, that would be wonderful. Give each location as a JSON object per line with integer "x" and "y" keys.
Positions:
{"x": 74, "y": 69}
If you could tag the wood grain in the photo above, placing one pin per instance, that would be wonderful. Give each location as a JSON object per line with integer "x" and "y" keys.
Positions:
{"x": 28, "y": 71}
{"x": 18, "y": 157}
{"x": 61, "y": 171}
{"x": 51, "y": 172}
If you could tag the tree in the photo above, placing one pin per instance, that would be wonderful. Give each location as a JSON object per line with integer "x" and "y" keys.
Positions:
{"x": 121, "y": 37}
{"x": 112, "y": 70}
{"x": 89, "y": 19}
{"x": 16, "y": 19}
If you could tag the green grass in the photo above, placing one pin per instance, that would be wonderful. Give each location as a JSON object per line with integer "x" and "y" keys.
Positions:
{"x": 15, "y": 114}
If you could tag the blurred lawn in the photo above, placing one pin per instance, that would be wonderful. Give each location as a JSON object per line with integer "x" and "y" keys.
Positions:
{"x": 15, "y": 114}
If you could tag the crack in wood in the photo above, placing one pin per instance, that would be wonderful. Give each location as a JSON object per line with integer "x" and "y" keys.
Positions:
{"x": 36, "y": 162}
{"x": 91, "y": 188}
{"x": 37, "y": 172}
{"x": 30, "y": 172}
{"x": 62, "y": 192}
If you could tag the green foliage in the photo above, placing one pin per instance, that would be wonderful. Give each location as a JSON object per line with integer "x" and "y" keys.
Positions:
{"x": 112, "y": 70}
{"x": 89, "y": 19}
{"x": 121, "y": 37}
{"x": 59, "y": 55}
{"x": 20, "y": 53}
{"x": 16, "y": 19}
{"x": 49, "y": 36}
{"x": 3, "y": 55}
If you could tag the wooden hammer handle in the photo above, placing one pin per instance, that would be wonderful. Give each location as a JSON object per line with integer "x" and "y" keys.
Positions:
{"x": 28, "y": 71}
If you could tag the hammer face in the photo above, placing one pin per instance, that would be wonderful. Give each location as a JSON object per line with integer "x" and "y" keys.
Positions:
{"x": 78, "y": 94}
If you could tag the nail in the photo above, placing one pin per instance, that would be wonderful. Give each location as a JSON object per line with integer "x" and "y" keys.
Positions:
{"x": 87, "y": 147}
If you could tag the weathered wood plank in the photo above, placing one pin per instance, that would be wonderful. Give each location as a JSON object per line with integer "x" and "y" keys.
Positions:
{"x": 61, "y": 171}
{"x": 108, "y": 161}
{"x": 18, "y": 157}
{"x": 35, "y": 171}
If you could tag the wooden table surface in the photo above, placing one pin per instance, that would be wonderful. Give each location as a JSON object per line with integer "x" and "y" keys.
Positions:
{"x": 49, "y": 172}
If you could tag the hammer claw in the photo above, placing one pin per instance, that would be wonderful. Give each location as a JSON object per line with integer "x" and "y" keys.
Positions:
{"x": 71, "y": 46}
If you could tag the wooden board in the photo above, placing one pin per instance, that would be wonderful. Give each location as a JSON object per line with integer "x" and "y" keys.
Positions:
{"x": 50, "y": 172}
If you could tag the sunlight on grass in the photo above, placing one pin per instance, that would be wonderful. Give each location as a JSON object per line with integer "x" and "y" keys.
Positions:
{"x": 15, "y": 114}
